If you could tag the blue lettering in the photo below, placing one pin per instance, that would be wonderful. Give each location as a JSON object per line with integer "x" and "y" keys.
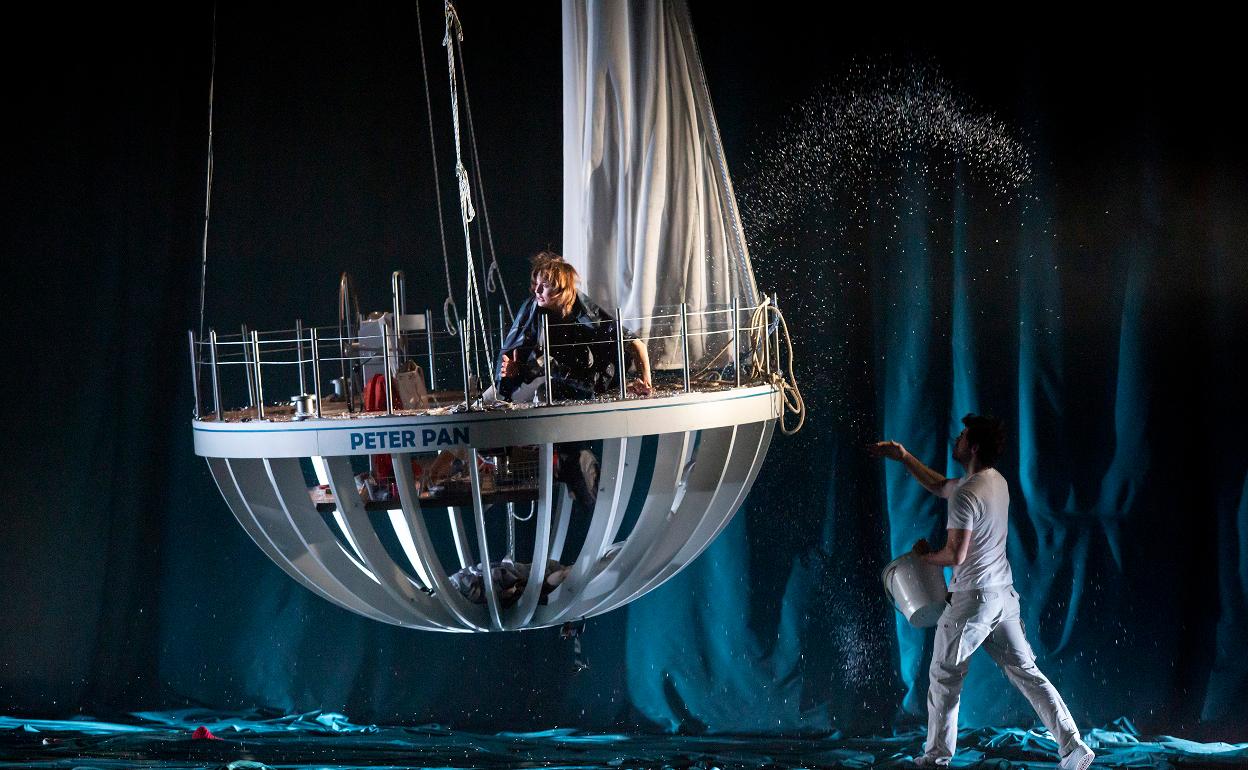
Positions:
{"x": 444, "y": 437}
{"x": 370, "y": 441}
{"x": 461, "y": 435}
{"x": 396, "y": 439}
{"x": 427, "y": 436}
{"x": 356, "y": 440}
{"x": 409, "y": 438}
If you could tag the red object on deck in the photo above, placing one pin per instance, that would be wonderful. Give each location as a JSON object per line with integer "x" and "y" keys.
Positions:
{"x": 375, "y": 401}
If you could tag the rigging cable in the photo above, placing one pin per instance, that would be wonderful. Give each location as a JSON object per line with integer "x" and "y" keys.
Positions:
{"x": 455, "y": 34}
{"x": 475, "y": 162}
{"x": 203, "y": 270}
{"x": 493, "y": 271}
{"x": 448, "y": 305}
{"x": 745, "y": 275}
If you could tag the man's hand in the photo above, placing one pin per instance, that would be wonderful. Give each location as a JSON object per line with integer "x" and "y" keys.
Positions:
{"x": 932, "y": 481}
{"x": 922, "y": 546}
{"x": 887, "y": 449}
{"x": 511, "y": 367}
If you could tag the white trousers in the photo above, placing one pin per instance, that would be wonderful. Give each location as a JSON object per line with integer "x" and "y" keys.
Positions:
{"x": 988, "y": 617}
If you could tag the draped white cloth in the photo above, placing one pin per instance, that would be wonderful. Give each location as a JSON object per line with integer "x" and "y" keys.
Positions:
{"x": 649, "y": 215}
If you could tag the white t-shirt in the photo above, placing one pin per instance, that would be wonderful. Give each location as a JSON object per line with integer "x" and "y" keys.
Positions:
{"x": 982, "y": 505}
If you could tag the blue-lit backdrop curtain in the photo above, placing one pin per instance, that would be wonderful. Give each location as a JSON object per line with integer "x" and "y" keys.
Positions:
{"x": 1107, "y": 350}
{"x": 1110, "y": 351}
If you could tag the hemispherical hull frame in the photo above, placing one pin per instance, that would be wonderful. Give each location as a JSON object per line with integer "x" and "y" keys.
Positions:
{"x": 706, "y": 452}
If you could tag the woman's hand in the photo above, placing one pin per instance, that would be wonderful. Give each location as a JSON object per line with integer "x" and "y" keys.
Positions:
{"x": 640, "y": 387}
{"x": 511, "y": 367}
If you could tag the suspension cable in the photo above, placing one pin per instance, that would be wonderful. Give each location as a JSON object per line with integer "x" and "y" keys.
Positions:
{"x": 455, "y": 35}
{"x": 746, "y": 287}
{"x": 493, "y": 271}
{"x": 448, "y": 305}
{"x": 479, "y": 205}
{"x": 203, "y": 269}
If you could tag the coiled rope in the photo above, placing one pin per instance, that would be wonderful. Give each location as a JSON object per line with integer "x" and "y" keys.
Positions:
{"x": 782, "y": 380}
{"x": 785, "y": 380}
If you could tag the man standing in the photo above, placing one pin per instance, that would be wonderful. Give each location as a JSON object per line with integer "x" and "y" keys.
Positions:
{"x": 983, "y": 606}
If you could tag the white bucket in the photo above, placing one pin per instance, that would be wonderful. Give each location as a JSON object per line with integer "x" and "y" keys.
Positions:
{"x": 917, "y": 589}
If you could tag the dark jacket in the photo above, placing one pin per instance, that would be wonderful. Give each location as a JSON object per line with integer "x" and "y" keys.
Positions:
{"x": 583, "y": 361}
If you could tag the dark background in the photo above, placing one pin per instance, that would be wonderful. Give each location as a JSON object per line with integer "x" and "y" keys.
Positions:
{"x": 1101, "y": 311}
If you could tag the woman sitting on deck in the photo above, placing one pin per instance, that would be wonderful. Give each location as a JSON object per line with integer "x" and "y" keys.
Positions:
{"x": 582, "y": 339}
{"x": 582, "y": 363}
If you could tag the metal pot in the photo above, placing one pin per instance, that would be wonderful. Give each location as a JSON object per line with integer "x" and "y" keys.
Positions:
{"x": 304, "y": 404}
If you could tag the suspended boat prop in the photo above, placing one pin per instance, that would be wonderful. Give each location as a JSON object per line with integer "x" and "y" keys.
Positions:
{"x": 385, "y": 487}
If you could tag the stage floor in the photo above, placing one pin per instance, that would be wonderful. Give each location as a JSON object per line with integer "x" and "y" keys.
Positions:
{"x": 202, "y": 739}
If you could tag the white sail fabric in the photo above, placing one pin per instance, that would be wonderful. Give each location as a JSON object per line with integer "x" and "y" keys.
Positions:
{"x": 649, "y": 216}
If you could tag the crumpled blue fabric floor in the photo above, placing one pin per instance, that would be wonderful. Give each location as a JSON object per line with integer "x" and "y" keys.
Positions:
{"x": 253, "y": 741}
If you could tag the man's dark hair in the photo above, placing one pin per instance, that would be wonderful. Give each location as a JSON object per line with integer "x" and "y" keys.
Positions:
{"x": 989, "y": 434}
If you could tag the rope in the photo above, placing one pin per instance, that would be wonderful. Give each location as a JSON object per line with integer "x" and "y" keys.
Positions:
{"x": 785, "y": 381}
{"x": 437, "y": 184}
{"x": 450, "y": 310}
{"x": 493, "y": 269}
{"x": 455, "y": 34}
{"x": 203, "y": 270}
{"x": 485, "y": 271}
{"x": 462, "y": 78}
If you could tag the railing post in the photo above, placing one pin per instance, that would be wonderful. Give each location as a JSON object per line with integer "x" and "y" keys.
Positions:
{"x": 216, "y": 377}
{"x": 255, "y": 342}
{"x": 684, "y": 342}
{"x": 398, "y": 295}
{"x": 621, "y": 372}
{"x": 303, "y": 381}
{"x": 398, "y": 291}
{"x": 736, "y": 339}
{"x": 385, "y": 368}
{"x": 348, "y": 384}
{"x": 194, "y": 371}
{"x": 251, "y": 384}
{"x": 316, "y": 373}
{"x": 463, "y": 356}
{"x": 433, "y": 378}
{"x": 549, "y": 391}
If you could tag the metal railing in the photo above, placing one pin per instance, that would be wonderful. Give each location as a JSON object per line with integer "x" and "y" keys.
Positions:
{"x": 277, "y": 361}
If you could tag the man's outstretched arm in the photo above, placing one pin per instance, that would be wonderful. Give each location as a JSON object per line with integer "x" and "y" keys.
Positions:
{"x": 932, "y": 481}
